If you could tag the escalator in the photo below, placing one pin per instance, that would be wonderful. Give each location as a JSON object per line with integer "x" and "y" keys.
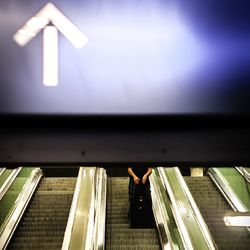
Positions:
{"x": 66, "y": 213}
{"x": 44, "y": 221}
{"x": 119, "y": 235}
{"x": 52, "y": 213}
{"x": 91, "y": 212}
{"x": 213, "y": 208}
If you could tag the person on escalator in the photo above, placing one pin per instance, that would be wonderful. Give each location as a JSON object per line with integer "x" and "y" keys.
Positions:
{"x": 140, "y": 210}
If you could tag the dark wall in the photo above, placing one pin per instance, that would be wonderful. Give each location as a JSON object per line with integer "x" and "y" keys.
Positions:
{"x": 64, "y": 171}
{"x": 70, "y": 171}
{"x": 142, "y": 57}
{"x": 169, "y": 141}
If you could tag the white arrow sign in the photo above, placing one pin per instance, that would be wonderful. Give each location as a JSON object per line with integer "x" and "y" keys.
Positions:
{"x": 49, "y": 19}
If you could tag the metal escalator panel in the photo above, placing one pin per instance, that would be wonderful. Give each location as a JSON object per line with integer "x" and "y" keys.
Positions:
{"x": 213, "y": 207}
{"x": 86, "y": 222}
{"x": 237, "y": 219}
{"x": 100, "y": 209}
{"x": 80, "y": 226}
{"x": 192, "y": 228}
{"x": 119, "y": 235}
{"x": 85, "y": 203}
{"x": 165, "y": 222}
{"x": 234, "y": 187}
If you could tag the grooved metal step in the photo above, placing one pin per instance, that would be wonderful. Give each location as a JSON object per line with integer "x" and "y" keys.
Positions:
{"x": 44, "y": 222}
{"x": 213, "y": 207}
{"x": 119, "y": 235}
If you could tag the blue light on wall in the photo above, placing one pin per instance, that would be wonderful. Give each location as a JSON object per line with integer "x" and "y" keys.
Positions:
{"x": 150, "y": 57}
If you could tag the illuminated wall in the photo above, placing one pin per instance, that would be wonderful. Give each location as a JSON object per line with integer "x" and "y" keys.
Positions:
{"x": 142, "y": 57}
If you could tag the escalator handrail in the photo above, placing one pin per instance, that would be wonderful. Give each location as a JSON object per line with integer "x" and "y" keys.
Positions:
{"x": 2, "y": 170}
{"x": 166, "y": 231}
{"x": 100, "y": 209}
{"x": 244, "y": 173}
{"x": 73, "y": 208}
{"x": 80, "y": 225}
{"x": 226, "y": 190}
{"x": 187, "y": 215}
{"x": 4, "y": 188}
{"x": 20, "y": 205}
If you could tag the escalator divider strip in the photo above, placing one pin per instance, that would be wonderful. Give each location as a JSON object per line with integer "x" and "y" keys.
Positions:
{"x": 226, "y": 190}
{"x": 21, "y": 204}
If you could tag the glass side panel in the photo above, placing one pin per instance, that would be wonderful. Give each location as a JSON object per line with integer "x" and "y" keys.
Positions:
{"x": 239, "y": 185}
{"x": 172, "y": 227}
{"x": 8, "y": 201}
{"x": 247, "y": 169}
{"x": 4, "y": 176}
{"x": 185, "y": 210}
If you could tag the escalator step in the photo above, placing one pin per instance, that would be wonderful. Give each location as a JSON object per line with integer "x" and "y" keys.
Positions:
{"x": 36, "y": 245}
{"x": 119, "y": 235}
{"x": 213, "y": 207}
{"x": 135, "y": 241}
{"x": 133, "y": 247}
{"x": 44, "y": 221}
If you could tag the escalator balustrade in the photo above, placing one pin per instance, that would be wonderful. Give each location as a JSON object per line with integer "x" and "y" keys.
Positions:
{"x": 44, "y": 221}
{"x": 213, "y": 206}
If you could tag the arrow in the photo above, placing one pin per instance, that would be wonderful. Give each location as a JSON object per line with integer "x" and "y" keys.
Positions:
{"x": 50, "y": 19}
